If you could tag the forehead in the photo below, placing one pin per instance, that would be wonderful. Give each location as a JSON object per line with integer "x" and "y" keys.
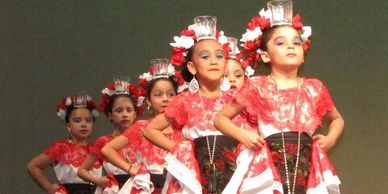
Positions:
{"x": 122, "y": 100}
{"x": 208, "y": 44}
{"x": 286, "y": 31}
{"x": 80, "y": 112}
{"x": 162, "y": 85}
{"x": 233, "y": 65}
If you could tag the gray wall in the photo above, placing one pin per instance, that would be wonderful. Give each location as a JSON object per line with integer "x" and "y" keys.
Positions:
{"x": 51, "y": 48}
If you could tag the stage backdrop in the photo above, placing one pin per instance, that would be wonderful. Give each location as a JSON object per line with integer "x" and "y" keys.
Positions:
{"x": 52, "y": 48}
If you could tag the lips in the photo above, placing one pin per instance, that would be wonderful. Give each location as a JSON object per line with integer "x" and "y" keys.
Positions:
{"x": 214, "y": 69}
{"x": 291, "y": 55}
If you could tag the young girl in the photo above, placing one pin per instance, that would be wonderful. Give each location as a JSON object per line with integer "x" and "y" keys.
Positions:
{"x": 79, "y": 113}
{"x": 161, "y": 86}
{"x": 284, "y": 155}
{"x": 193, "y": 113}
{"x": 237, "y": 72}
{"x": 119, "y": 103}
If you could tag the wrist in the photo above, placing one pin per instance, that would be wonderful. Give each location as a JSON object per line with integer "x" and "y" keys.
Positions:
{"x": 129, "y": 169}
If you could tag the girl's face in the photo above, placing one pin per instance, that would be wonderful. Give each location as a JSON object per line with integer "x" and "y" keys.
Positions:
{"x": 161, "y": 94}
{"x": 235, "y": 73}
{"x": 123, "y": 113}
{"x": 208, "y": 61}
{"x": 284, "y": 49}
{"x": 80, "y": 125}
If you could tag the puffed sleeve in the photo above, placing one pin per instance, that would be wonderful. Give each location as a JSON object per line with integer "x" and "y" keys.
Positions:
{"x": 177, "y": 110}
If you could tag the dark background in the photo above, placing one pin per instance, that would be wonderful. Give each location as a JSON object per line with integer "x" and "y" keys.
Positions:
{"x": 49, "y": 49}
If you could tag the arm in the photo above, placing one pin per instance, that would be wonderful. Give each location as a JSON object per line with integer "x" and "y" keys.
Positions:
{"x": 224, "y": 124}
{"x": 153, "y": 132}
{"x": 110, "y": 153}
{"x": 86, "y": 166}
{"x": 36, "y": 166}
{"x": 336, "y": 126}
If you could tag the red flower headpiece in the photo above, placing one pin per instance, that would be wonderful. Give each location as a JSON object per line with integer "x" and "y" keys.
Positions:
{"x": 84, "y": 101}
{"x": 255, "y": 28}
{"x": 186, "y": 39}
{"x": 132, "y": 90}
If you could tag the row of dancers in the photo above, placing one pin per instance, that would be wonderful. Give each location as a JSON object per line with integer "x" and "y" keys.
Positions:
{"x": 214, "y": 127}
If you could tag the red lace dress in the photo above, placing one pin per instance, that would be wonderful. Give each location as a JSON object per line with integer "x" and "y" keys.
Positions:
{"x": 188, "y": 163}
{"x": 151, "y": 177}
{"x": 287, "y": 110}
{"x": 68, "y": 157}
{"x": 112, "y": 171}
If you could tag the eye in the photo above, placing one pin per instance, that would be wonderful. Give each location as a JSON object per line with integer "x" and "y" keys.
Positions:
{"x": 204, "y": 54}
{"x": 172, "y": 93}
{"x": 76, "y": 120}
{"x": 129, "y": 109}
{"x": 89, "y": 119}
{"x": 220, "y": 54}
{"x": 298, "y": 41}
{"x": 279, "y": 41}
{"x": 118, "y": 110}
{"x": 157, "y": 94}
{"x": 239, "y": 75}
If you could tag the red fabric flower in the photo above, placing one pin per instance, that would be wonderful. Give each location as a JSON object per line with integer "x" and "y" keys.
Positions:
{"x": 177, "y": 57}
{"x": 258, "y": 21}
{"x": 230, "y": 155}
{"x": 306, "y": 45}
{"x": 220, "y": 164}
{"x": 297, "y": 22}
{"x": 189, "y": 33}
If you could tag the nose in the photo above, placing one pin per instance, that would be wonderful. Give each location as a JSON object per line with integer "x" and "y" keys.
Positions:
{"x": 290, "y": 45}
{"x": 165, "y": 97}
{"x": 213, "y": 60}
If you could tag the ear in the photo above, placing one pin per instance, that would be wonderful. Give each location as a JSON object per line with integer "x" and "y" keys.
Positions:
{"x": 191, "y": 68}
{"x": 265, "y": 56}
{"x": 148, "y": 101}
{"x": 68, "y": 127}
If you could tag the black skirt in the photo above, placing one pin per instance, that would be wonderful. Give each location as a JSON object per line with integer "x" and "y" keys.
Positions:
{"x": 80, "y": 188}
{"x": 224, "y": 162}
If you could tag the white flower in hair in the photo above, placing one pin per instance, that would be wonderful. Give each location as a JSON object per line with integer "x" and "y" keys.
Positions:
{"x": 68, "y": 101}
{"x": 265, "y": 13}
{"x": 249, "y": 71}
{"x": 140, "y": 100}
{"x": 170, "y": 70}
{"x": 306, "y": 32}
{"x": 147, "y": 76}
{"x": 182, "y": 42}
{"x": 251, "y": 35}
{"x": 222, "y": 39}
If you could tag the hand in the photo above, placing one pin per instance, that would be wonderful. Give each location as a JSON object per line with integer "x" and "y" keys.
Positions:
{"x": 252, "y": 140}
{"x": 102, "y": 181}
{"x": 324, "y": 141}
{"x": 54, "y": 188}
{"x": 134, "y": 169}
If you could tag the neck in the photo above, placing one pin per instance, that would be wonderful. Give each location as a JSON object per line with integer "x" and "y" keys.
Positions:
{"x": 79, "y": 141}
{"x": 209, "y": 91}
{"x": 117, "y": 132}
{"x": 285, "y": 80}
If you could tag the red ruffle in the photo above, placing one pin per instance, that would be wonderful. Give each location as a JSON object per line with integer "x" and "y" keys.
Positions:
{"x": 262, "y": 100}
{"x": 187, "y": 109}
{"x": 99, "y": 144}
{"x": 70, "y": 154}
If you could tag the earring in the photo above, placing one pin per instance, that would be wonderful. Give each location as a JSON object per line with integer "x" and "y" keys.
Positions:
{"x": 225, "y": 85}
{"x": 149, "y": 109}
{"x": 193, "y": 85}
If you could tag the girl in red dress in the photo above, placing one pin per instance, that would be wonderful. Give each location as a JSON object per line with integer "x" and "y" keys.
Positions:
{"x": 161, "y": 85}
{"x": 119, "y": 103}
{"x": 284, "y": 155}
{"x": 204, "y": 161}
{"x": 79, "y": 113}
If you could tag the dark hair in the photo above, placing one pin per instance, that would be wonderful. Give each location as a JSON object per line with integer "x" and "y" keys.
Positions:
{"x": 69, "y": 110}
{"x": 112, "y": 99}
{"x": 151, "y": 84}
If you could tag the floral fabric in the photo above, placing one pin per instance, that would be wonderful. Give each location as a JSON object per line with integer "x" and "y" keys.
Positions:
{"x": 277, "y": 109}
{"x": 195, "y": 114}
